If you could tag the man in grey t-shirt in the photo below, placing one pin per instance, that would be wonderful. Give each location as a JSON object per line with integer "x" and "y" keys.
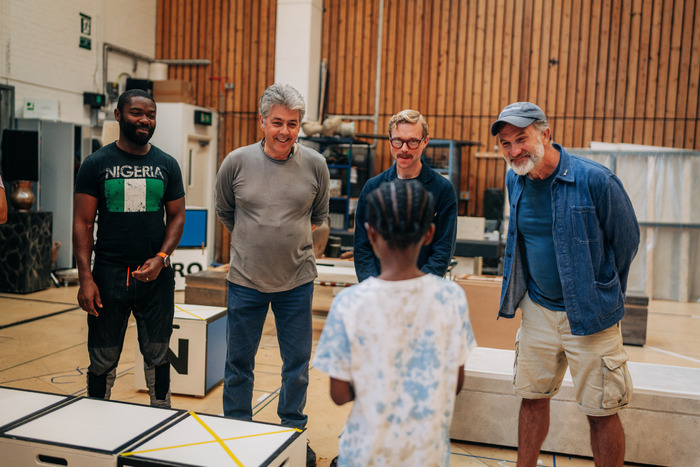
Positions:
{"x": 271, "y": 196}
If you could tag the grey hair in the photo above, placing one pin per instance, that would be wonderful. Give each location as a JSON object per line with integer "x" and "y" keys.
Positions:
{"x": 541, "y": 126}
{"x": 282, "y": 94}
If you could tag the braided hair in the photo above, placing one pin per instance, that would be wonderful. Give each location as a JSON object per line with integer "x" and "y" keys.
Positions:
{"x": 401, "y": 211}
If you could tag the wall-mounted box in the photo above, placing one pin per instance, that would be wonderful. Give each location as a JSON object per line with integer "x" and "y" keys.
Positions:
{"x": 94, "y": 99}
{"x": 143, "y": 84}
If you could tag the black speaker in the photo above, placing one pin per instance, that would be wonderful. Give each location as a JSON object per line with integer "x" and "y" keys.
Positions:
{"x": 20, "y": 155}
{"x": 143, "y": 84}
{"x": 493, "y": 203}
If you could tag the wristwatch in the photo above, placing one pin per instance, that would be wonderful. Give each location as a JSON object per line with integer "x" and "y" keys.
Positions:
{"x": 166, "y": 259}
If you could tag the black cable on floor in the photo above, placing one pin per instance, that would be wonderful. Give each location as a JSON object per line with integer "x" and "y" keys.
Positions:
{"x": 27, "y": 299}
{"x": 29, "y": 320}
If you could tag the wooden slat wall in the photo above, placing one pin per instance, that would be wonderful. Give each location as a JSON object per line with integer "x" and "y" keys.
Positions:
{"x": 238, "y": 36}
{"x": 602, "y": 70}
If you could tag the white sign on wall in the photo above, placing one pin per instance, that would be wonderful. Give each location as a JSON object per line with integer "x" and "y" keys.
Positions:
{"x": 187, "y": 261}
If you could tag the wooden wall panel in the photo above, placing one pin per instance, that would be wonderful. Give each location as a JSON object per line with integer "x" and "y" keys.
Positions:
{"x": 238, "y": 37}
{"x": 602, "y": 70}
{"x": 693, "y": 98}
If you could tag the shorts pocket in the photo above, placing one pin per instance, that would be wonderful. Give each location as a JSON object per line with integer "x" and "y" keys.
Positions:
{"x": 617, "y": 383}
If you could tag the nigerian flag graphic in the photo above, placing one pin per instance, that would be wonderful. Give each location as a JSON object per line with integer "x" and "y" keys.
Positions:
{"x": 133, "y": 194}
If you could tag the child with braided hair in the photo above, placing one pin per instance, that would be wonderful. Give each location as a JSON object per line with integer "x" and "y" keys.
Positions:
{"x": 396, "y": 344}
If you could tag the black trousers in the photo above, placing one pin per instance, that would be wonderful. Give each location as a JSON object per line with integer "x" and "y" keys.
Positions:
{"x": 152, "y": 304}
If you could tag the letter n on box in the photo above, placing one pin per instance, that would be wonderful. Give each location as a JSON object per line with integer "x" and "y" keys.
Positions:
{"x": 197, "y": 350}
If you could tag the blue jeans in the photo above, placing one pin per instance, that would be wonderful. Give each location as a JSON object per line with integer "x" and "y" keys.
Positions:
{"x": 247, "y": 309}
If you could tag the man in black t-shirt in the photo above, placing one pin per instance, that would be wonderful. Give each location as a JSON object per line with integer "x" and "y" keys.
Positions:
{"x": 132, "y": 185}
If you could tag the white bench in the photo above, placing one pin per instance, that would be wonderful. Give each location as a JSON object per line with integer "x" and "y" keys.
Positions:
{"x": 662, "y": 423}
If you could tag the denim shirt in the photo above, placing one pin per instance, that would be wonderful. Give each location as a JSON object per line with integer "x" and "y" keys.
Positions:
{"x": 596, "y": 236}
{"x": 433, "y": 258}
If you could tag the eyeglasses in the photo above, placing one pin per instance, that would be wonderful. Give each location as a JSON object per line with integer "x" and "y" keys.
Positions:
{"x": 411, "y": 143}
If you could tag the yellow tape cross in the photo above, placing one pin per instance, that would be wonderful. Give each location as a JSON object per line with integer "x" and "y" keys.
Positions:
{"x": 216, "y": 439}
{"x": 191, "y": 314}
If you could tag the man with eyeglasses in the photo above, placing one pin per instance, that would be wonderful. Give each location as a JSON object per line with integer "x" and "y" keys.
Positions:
{"x": 408, "y": 135}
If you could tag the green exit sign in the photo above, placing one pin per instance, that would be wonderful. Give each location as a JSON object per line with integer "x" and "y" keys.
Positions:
{"x": 85, "y": 43}
{"x": 85, "y": 31}
{"x": 202, "y": 118}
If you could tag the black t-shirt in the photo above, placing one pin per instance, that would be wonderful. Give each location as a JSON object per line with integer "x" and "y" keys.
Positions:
{"x": 131, "y": 191}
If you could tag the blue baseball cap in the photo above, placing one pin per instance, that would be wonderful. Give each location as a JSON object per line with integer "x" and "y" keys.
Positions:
{"x": 520, "y": 114}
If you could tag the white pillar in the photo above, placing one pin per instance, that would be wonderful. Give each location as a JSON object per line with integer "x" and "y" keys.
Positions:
{"x": 298, "y": 49}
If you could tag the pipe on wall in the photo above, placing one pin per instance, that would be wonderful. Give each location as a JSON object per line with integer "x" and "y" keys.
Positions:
{"x": 378, "y": 79}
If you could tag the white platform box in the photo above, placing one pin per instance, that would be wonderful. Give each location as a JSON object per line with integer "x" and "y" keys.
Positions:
{"x": 17, "y": 405}
{"x": 197, "y": 350}
{"x": 207, "y": 440}
{"x": 83, "y": 432}
{"x": 662, "y": 422}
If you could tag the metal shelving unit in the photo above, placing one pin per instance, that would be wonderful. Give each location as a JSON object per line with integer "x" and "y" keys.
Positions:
{"x": 338, "y": 152}
{"x": 444, "y": 155}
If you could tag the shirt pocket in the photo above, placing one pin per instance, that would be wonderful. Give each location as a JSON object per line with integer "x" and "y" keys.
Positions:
{"x": 617, "y": 382}
{"x": 585, "y": 225}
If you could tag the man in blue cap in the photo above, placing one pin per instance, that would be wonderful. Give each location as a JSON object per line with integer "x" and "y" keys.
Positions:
{"x": 571, "y": 239}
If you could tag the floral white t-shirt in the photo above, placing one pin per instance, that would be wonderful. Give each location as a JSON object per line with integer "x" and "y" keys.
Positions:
{"x": 400, "y": 344}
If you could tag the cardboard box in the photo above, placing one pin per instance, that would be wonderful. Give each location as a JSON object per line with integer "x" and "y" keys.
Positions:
{"x": 483, "y": 296}
{"x": 197, "y": 350}
{"x": 173, "y": 90}
{"x": 208, "y": 287}
{"x": 634, "y": 323}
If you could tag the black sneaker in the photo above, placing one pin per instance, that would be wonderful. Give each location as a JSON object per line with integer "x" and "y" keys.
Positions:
{"x": 310, "y": 457}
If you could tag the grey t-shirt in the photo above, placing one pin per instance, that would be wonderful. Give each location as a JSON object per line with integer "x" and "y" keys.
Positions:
{"x": 268, "y": 205}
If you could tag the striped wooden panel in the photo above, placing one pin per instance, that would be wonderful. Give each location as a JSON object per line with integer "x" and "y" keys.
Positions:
{"x": 602, "y": 70}
{"x": 238, "y": 37}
